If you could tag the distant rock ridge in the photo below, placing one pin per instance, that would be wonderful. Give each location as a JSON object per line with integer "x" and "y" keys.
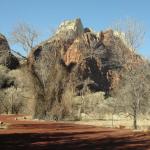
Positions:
{"x": 4, "y": 47}
{"x": 6, "y": 57}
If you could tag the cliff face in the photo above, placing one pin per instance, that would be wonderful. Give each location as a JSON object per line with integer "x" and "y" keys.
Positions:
{"x": 95, "y": 58}
{"x": 6, "y": 58}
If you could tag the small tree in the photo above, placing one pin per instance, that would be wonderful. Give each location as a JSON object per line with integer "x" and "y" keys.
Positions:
{"x": 130, "y": 35}
{"x": 24, "y": 35}
{"x": 112, "y": 107}
{"x": 134, "y": 94}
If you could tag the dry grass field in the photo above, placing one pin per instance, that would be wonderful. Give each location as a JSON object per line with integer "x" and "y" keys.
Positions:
{"x": 143, "y": 124}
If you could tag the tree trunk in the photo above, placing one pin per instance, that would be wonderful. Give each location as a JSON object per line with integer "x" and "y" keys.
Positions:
{"x": 112, "y": 120}
{"x": 135, "y": 119}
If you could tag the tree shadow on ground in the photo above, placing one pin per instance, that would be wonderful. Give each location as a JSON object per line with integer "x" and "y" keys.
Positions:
{"x": 71, "y": 141}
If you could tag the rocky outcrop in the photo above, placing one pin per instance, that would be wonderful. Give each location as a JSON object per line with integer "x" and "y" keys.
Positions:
{"x": 4, "y": 47}
{"x": 70, "y": 29}
{"x": 6, "y": 58}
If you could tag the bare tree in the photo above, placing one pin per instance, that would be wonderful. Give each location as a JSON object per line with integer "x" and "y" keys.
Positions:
{"x": 50, "y": 74}
{"x": 131, "y": 32}
{"x": 113, "y": 108}
{"x": 130, "y": 36}
{"x": 25, "y": 35}
{"x": 134, "y": 94}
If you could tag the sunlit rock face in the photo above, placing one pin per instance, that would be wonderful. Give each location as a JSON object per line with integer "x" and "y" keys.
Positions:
{"x": 6, "y": 58}
{"x": 71, "y": 28}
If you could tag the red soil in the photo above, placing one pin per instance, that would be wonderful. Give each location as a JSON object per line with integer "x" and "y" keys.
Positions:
{"x": 38, "y": 135}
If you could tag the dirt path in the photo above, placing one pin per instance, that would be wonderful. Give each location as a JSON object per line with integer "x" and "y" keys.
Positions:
{"x": 38, "y": 135}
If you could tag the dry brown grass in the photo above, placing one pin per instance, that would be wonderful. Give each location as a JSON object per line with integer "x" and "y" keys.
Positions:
{"x": 143, "y": 124}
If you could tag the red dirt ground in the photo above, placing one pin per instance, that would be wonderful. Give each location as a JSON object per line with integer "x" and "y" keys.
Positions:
{"x": 38, "y": 135}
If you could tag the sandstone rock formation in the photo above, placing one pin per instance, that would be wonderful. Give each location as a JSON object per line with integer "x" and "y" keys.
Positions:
{"x": 94, "y": 55}
{"x": 6, "y": 58}
{"x": 79, "y": 58}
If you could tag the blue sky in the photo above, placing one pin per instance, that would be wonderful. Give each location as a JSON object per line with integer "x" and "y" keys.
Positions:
{"x": 46, "y": 15}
